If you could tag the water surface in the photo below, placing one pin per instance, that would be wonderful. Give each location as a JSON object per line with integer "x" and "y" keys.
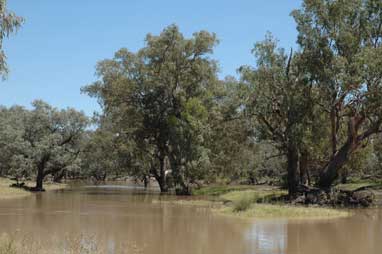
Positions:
{"x": 115, "y": 216}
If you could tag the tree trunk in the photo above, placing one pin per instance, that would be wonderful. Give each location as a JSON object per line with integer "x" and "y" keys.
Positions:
{"x": 162, "y": 185}
{"x": 39, "y": 180}
{"x": 304, "y": 175}
{"x": 161, "y": 177}
{"x": 308, "y": 176}
{"x": 146, "y": 180}
{"x": 333, "y": 126}
{"x": 344, "y": 177}
{"x": 292, "y": 158}
{"x": 41, "y": 172}
{"x": 330, "y": 173}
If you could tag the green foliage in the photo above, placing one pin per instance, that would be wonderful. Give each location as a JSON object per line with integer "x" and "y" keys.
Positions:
{"x": 9, "y": 23}
{"x": 158, "y": 101}
{"x": 339, "y": 41}
{"x": 40, "y": 142}
{"x": 279, "y": 101}
{"x": 170, "y": 113}
{"x": 315, "y": 113}
{"x": 102, "y": 153}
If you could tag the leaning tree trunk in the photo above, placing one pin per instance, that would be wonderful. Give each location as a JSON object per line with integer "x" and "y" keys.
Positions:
{"x": 331, "y": 172}
{"x": 292, "y": 158}
{"x": 338, "y": 160}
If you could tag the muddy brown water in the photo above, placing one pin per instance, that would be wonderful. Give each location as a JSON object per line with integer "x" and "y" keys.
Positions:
{"x": 118, "y": 215}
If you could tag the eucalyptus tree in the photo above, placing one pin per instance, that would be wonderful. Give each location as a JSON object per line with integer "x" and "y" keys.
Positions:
{"x": 341, "y": 44}
{"x": 53, "y": 140}
{"x": 158, "y": 100}
{"x": 9, "y": 23}
{"x": 279, "y": 99}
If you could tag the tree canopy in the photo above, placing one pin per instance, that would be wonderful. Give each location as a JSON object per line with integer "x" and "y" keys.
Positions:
{"x": 158, "y": 99}
{"x": 9, "y": 23}
{"x": 302, "y": 117}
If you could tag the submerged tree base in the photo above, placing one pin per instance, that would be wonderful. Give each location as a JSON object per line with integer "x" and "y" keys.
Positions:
{"x": 361, "y": 197}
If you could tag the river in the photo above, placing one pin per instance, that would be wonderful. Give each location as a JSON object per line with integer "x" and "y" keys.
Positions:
{"x": 119, "y": 217}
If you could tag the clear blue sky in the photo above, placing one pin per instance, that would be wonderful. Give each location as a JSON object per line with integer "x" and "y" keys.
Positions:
{"x": 55, "y": 52}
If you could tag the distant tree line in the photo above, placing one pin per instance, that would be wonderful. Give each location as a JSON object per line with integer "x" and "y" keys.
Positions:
{"x": 310, "y": 116}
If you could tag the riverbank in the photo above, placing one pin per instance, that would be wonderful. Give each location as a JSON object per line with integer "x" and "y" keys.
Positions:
{"x": 7, "y": 192}
{"x": 261, "y": 202}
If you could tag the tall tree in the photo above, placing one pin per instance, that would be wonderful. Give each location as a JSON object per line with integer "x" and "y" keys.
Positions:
{"x": 158, "y": 99}
{"x": 279, "y": 100}
{"x": 341, "y": 43}
{"x": 9, "y": 23}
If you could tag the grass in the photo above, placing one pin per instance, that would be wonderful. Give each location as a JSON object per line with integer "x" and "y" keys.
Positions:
{"x": 255, "y": 195}
{"x": 7, "y": 192}
{"x": 21, "y": 244}
{"x": 242, "y": 205}
{"x": 355, "y": 183}
{"x": 268, "y": 211}
{"x": 256, "y": 204}
{"x": 221, "y": 189}
{"x": 355, "y": 186}
{"x": 189, "y": 202}
{"x": 263, "y": 202}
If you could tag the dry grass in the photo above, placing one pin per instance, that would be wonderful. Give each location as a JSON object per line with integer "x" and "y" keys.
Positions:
{"x": 18, "y": 244}
{"x": 7, "y": 192}
{"x": 267, "y": 211}
{"x": 222, "y": 189}
{"x": 190, "y": 202}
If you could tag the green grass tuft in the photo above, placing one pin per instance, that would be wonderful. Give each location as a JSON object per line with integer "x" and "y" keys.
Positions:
{"x": 242, "y": 204}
